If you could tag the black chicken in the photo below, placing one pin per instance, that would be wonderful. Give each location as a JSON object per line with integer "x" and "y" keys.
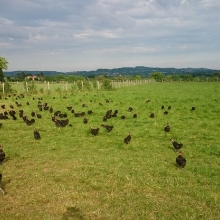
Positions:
{"x": 27, "y": 121}
{"x": 167, "y": 128}
{"x": 51, "y": 110}
{"x": 33, "y": 114}
{"x": 176, "y": 145}
{"x": 39, "y": 115}
{"x": 152, "y": 115}
{"x": 77, "y": 114}
{"x": 69, "y": 107}
{"x": 61, "y": 123}
{"x": 193, "y": 108}
{"x": 21, "y": 113}
{"x": 180, "y": 160}
{"x": 127, "y": 139}
{"x": 1, "y": 185}
{"x": 165, "y": 112}
{"x": 108, "y": 114}
{"x": 90, "y": 112}
{"x": 115, "y": 113}
{"x": 82, "y": 113}
{"x": 36, "y": 134}
{"x": 107, "y": 127}
{"x": 135, "y": 115}
{"x": 85, "y": 120}
{"x": 94, "y": 131}
{"x": 104, "y": 118}
{"x": 2, "y": 154}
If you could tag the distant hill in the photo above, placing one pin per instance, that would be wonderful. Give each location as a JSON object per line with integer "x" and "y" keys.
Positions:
{"x": 125, "y": 71}
{"x": 146, "y": 71}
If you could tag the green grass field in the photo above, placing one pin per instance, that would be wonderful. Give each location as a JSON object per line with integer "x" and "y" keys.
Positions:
{"x": 71, "y": 174}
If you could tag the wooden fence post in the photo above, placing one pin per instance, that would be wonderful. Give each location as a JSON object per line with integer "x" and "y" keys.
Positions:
{"x": 98, "y": 85}
{"x": 27, "y": 86}
{"x": 3, "y": 88}
{"x": 45, "y": 85}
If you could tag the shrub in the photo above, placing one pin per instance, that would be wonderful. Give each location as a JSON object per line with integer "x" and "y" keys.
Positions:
{"x": 106, "y": 85}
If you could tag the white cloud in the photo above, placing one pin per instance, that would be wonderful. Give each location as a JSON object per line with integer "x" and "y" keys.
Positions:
{"x": 111, "y": 31}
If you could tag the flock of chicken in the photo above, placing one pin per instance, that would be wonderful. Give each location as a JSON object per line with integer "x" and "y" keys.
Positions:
{"x": 60, "y": 119}
{"x": 2, "y": 157}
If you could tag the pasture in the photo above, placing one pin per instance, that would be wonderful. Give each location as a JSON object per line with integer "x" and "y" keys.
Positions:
{"x": 71, "y": 174}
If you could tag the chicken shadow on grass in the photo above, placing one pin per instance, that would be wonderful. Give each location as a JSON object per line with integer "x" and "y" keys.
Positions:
{"x": 73, "y": 213}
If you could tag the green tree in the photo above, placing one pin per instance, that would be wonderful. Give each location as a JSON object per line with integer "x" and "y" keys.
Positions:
{"x": 121, "y": 78}
{"x": 8, "y": 88}
{"x": 186, "y": 77}
{"x": 175, "y": 77}
{"x": 107, "y": 84}
{"x": 59, "y": 77}
{"x": 40, "y": 75}
{"x": 48, "y": 78}
{"x": 158, "y": 76}
{"x": 20, "y": 76}
{"x": 101, "y": 78}
{"x": 168, "y": 78}
{"x": 137, "y": 77}
{"x": 71, "y": 78}
{"x": 86, "y": 84}
{"x": 32, "y": 88}
{"x": 1, "y": 76}
{"x": 3, "y": 65}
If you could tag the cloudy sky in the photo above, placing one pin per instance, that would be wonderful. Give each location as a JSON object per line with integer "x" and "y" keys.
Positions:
{"x": 72, "y": 35}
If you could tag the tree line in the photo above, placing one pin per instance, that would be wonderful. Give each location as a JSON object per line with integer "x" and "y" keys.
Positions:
{"x": 157, "y": 76}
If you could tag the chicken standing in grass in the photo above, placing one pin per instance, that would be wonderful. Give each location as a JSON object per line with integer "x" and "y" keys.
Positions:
{"x": 176, "y": 145}
{"x": 85, "y": 120}
{"x": 152, "y": 115}
{"x": 2, "y": 154}
{"x": 167, "y": 128}
{"x": 94, "y": 131}
{"x": 135, "y": 115}
{"x": 180, "y": 160}
{"x": 36, "y": 134}
{"x": 107, "y": 127}
{"x": 127, "y": 139}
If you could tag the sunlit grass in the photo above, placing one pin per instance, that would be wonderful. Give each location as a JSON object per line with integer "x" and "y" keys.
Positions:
{"x": 70, "y": 174}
